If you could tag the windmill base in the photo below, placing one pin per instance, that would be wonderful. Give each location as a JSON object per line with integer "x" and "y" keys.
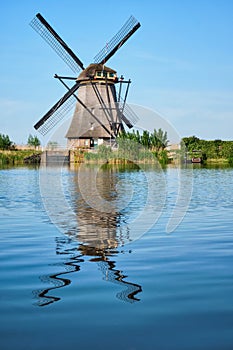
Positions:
{"x": 87, "y": 143}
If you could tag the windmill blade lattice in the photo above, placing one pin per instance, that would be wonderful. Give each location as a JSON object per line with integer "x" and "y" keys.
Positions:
{"x": 128, "y": 116}
{"x": 57, "y": 112}
{"x": 42, "y": 27}
{"x": 57, "y": 116}
{"x": 117, "y": 41}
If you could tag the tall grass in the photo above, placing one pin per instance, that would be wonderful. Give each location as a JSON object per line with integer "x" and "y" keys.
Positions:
{"x": 15, "y": 157}
{"x": 129, "y": 153}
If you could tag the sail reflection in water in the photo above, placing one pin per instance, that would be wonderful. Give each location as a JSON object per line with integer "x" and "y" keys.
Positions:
{"x": 93, "y": 214}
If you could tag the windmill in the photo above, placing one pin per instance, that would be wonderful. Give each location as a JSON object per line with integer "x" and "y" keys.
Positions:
{"x": 101, "y": 111}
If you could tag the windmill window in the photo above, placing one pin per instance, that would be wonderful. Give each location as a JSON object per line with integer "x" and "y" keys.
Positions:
{"x": 111, "y": 75}
{"x": 98, "y": 74}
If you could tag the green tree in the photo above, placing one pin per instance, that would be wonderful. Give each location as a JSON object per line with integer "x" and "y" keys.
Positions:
{"x": 159, "y": 140}
{"x": 5, "y": 142}
{"x": 191, "y": 143}
{"x": 145, "y": 139}
{"x": 33, "y": 141}
{"x": 162, "y": 136}
{"x": 227, "y": 149}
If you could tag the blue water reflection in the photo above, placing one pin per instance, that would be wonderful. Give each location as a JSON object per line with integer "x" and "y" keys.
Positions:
{"x": 89, "y": 232}
{"x": 184, "y": 279}
{"x": 102, "y": 257}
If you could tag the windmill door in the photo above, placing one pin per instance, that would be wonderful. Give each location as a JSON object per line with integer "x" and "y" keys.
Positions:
{"x": 91, "y": 143}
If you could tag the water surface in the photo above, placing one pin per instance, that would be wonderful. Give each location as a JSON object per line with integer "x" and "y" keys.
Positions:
{"x": 81, "y": 280}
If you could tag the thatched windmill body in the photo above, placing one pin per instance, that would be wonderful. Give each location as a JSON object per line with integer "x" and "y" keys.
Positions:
{"x": 101, "y": 111}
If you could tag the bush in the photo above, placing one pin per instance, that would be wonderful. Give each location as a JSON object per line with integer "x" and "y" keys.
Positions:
{"x": 33, "y": 141}
{"x": 90, "y": 156}
{"x": 104, "y": 152}
{"x": 14, "y": 157}
{"x": 5, "y": 142}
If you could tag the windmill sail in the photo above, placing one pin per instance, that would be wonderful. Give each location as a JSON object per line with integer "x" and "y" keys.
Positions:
{"x": 42, "y": 27}
{"x": 99, "y": 114}
{"x": 117, "y": 41}
{"x": 128, "y": 116}
{"x": 57, "y": 112}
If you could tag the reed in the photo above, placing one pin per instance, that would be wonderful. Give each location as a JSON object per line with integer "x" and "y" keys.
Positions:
{"x": 15, "y": 157}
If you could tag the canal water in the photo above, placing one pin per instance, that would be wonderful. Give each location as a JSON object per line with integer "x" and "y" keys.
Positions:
{"x": 116, "y": 258}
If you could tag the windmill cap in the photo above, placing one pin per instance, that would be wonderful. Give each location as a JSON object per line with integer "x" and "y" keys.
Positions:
{"x": 90, "y": 71}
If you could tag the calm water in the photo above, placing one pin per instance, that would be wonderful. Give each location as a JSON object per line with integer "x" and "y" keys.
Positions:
{"x": 75, "y": 277}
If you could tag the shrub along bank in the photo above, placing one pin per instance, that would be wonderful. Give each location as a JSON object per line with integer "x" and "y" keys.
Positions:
{"x": 210, "y": 151}
{"x": 15, "y": 157}
{"x": 127, "y": 152}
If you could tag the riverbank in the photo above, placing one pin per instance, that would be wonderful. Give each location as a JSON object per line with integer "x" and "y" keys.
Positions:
{"x": 103, "y": 155}
{"x": 16, "y": 157}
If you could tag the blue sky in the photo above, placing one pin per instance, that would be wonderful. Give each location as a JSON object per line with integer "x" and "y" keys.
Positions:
{"x": 180, "y": 61}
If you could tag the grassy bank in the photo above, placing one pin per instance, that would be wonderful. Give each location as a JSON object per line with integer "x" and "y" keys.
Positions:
{"x": 219, "y": 161}
{"x": 105, "y": 154}
{"x": 15, "y": 157}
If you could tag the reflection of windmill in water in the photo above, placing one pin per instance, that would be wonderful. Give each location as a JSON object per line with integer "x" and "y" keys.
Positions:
{"x": 101, "y": 112}
{"x": 95, "y": 237}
